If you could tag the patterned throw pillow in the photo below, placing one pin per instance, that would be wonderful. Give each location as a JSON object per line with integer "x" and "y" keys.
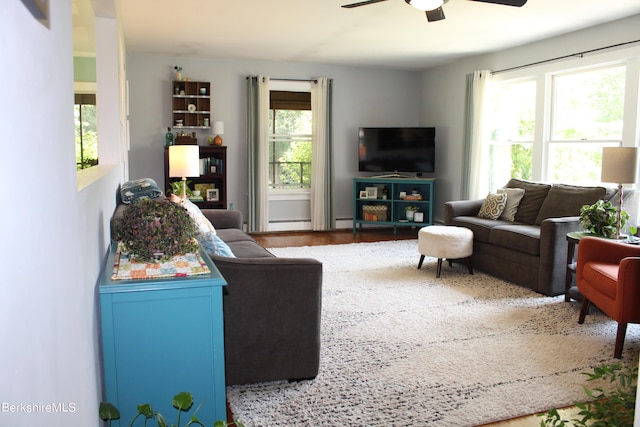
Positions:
{"x": 145, "y": 188}
{"x": 493, "y": 206}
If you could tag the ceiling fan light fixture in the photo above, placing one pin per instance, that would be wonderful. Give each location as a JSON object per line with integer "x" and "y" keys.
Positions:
{"x": 425, "y": 5}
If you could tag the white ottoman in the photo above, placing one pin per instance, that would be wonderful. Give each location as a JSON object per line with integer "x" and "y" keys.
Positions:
{"x": 443, "y": 241}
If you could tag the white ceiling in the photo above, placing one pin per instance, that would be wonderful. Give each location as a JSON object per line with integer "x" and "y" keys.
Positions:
{"x": 387, "y": 34}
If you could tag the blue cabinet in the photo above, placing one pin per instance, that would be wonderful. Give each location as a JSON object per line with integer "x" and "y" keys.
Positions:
{"x": 383, "y": 201}
{"x": 161, "y": 337}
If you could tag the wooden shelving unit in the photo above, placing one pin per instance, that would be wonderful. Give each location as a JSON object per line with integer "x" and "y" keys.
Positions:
{"x": 191, "y": 103}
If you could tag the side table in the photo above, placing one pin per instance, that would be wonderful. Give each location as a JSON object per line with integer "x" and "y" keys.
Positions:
{"x": 570, "y": 289}
{"x": 161, "y": 337}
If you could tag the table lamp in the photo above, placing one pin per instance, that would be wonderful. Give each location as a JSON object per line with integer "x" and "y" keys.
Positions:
{"x": 218, "y": 129}
{"x": 184, "y": 161}
{"x": 619, "y": 165}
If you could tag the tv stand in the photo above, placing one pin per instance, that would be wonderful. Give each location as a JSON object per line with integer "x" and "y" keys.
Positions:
{"x": 373, "y": 209}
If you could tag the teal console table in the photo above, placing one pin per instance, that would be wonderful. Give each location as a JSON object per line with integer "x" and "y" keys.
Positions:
{"x": 161, "y": 337}
{"x": 381, "y": 201}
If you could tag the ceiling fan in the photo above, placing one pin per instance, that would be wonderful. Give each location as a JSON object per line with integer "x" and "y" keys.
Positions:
{"x": 433, "y": 8}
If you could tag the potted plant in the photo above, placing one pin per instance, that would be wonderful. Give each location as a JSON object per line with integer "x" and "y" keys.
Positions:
{"x": 410, "y": 211}
{"x": 601, "y": 218}
{"x": 176, "y": 188}
{"x": 182, "y": 402}
{"x": 156, "y": 229}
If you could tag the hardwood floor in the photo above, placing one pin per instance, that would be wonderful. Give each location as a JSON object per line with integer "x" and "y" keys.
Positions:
{"x": 317, "y": 238}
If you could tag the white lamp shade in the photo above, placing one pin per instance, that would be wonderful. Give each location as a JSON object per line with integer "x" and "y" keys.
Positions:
{"x": 426, "y": 4}
{"x": 218, "y": 128}
{"x": 619, "y": 165}
{"x": 184, "y": 161}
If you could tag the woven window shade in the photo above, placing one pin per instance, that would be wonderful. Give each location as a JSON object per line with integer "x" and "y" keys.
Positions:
{"x": 283, "y": 100}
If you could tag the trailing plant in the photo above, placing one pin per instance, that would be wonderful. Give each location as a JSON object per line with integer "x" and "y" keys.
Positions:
{"x": 176, "y": 188}
{"x": 601, "y": 218}
{"x": 182, "y": 401}
{"x": 156, "y": 229}
{"x": 604, "y": 409}
{"x": 411, "y": 208}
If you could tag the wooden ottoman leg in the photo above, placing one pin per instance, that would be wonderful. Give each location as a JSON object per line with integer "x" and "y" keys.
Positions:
{"x": 468, "y": 259}
{"x": 421, "y": 260}
{"x": 439, "y": 267}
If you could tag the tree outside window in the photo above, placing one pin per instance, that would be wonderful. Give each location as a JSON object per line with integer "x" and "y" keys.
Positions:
{"x": 86, "y": 131}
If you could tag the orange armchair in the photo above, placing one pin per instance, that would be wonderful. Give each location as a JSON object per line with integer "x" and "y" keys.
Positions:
{"x": 608, "y": 275}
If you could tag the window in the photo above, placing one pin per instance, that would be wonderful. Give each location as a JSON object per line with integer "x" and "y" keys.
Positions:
{"x": 582, "y": 113}
{"x": 290, "y": 140}
{"x": 86, "y": 131}
{"x": 512, "y": 133}
{"x": 587, "y": 112}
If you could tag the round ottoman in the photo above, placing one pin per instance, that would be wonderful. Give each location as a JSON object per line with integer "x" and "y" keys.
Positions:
{"x": 443, "y": 241}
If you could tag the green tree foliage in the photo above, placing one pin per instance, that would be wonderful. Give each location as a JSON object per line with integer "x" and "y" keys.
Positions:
{"x": 291, "y": 151}
{"x": 87, "y": 141}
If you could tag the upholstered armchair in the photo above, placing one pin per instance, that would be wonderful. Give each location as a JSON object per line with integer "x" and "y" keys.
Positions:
{"x": 608, "y": 275}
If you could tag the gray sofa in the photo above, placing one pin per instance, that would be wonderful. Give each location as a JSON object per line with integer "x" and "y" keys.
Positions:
{"x": 272, "y": 307}
{"x": 530, "y": 251}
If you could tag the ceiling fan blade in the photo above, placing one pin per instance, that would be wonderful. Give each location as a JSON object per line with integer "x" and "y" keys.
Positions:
{"x": 435, "y": 14}
{"x": 517, "y": 3}
{"x": 362, "y": 3}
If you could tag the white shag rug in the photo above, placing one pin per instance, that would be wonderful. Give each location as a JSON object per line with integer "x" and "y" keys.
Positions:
{"x": 402, "y": 348}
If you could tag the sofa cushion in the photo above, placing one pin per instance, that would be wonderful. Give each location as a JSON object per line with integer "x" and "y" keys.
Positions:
{"x": 566, "y": 200}
{"x": 492, "y": 206}
{"x": 534, "y": 195}
{"x": 514, "y": 196}
{"x": 481, "y": 227}
{"x": 214, "y": 245}
{"x": 230, "y": 235}
{"x": 247, "y": 249}
{"x": 518, "y": 237}
{"x": 203, "y": 223}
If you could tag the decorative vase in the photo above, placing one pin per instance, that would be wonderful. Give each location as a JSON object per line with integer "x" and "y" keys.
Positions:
{"x": 410, "y": 215}
{"x": 179, "y": 76}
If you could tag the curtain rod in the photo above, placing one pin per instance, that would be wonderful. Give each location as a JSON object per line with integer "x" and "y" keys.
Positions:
{"x": 291, "y": 80}
{"x": 573, "y": 55}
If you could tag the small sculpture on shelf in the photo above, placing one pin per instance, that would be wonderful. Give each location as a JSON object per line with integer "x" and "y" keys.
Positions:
{"x": 178, "y": 72}
{"x": 168, "y": 138}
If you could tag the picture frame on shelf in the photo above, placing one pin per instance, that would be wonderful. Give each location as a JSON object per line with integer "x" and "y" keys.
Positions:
{"x": 213, "y": 169}
{"x": 418, "y": 217}
{"x": 372, "y": 192}
{"x": 363, "y": 194}
{"x": 213, "y": 195}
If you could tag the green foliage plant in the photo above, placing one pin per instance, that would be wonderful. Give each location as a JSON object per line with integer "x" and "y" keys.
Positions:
{"x": 182, "y": 401}
{"x": 156, "y": 229}
{"x": 603, "y": 409}
{"x": 601, "y": 218}
{"x": 176, "y": 188}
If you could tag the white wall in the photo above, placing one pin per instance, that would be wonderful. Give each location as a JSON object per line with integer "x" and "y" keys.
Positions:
{"x": 362, "y": 97}
{"x": 444, "y": 90}
{"x": 53, "y": 236}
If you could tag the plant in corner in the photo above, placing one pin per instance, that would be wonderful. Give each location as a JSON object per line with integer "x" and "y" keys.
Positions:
{"x": 615, "y": 408}
{"x": 601, "y": 218}
{"x": 182, "y": 401}
{"x": 156, "y": 229}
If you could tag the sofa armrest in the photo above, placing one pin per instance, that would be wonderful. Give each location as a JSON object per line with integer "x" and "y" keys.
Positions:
{"x": 461, "y": 208}
{"x": 223, "y": 218}
{"x": 553, "y": 252}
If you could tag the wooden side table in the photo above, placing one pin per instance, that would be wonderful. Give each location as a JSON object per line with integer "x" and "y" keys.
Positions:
{"x": 161, "y": 337}
{"x": 570, "y": 289}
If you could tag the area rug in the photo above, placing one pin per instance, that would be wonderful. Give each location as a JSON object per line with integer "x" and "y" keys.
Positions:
{"x": 402, "y": 348}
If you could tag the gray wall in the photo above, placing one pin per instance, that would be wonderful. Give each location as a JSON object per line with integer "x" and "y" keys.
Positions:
{"x": 362, "y": 97}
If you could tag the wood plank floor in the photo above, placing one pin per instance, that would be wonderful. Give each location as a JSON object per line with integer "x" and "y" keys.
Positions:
{"x": 317, "y": 238}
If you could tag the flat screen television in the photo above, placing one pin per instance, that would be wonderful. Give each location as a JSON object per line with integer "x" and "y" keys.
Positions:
{"x": 406, "y": 149}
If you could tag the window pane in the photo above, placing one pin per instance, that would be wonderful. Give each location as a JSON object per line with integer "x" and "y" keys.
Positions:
{"x": 510, "y": 161}
{"x": 514, "y": 107}
{"x": 577, "y": 163}
{"x": 86, "y": 134}
{"x": 290, "y": 149}
{"x": 589, "y": 105}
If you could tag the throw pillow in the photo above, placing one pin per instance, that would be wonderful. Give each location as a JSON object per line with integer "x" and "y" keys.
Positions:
{"x": 534, "y": 195}
{"x": 493, "y": 206}
{"x": 514, "y": 196}
{"x": 214, "y": 245}
{"x": 203, "y": 223}
{"x": 566, "y": 200}
{"x": 145, "y": 188}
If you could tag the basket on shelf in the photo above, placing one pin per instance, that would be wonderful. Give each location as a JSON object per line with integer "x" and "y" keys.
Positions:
{"x": 375, "y": 212}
